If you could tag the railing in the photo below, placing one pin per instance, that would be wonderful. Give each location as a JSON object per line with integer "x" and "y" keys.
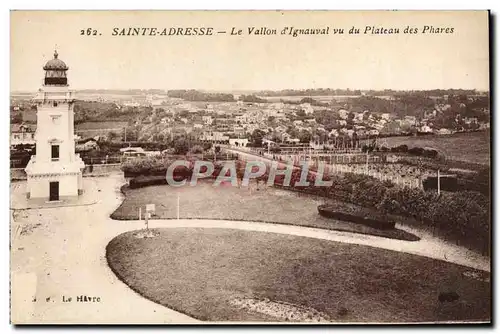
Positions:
{"x": 364, "y": 169}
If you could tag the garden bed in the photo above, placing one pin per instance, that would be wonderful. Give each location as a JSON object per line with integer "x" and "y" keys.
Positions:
{"x": 356, "y": 215}
{"x": 232, "y": 275}
{"x": 144, "y": 181}
{"x": 241, "y": 204}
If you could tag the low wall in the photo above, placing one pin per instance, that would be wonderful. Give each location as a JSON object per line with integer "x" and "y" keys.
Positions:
{"x": 101, "y": 169}
{"x": 20, "y": 174}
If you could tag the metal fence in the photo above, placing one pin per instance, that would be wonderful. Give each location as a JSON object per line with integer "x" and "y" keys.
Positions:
{"x": 371, "y": 168}
{"x": 118, "y": 159}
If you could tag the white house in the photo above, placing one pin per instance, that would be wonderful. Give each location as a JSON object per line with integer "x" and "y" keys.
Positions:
{"x": 343, "y": 113}
{"x": 426, "y": 129}
{"x": 207, "y": 120}
{"x": 386, "y": 116}
{"x": 214, "y": 136}
{"x": 22, "y": 134}
{"x": 444, "y": 131}
{"x": 333, "y": 133}
{"x": 131, "y": 104}
{"x": 238, "y": 142}
{"x": 308, "y": 109}
{"x": 86, "y": 145}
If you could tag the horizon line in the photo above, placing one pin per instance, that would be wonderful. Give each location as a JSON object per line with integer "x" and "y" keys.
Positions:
{"x": 263, "y": 90}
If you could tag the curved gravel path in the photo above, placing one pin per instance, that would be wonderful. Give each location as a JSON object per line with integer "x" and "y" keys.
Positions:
{"x": 65, "y": 256}
{"x": 428, "y": 246}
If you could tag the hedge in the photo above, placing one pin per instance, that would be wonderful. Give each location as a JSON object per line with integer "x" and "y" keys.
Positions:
{"x": 158, "y": 165}
{"x": 152, "y": 165}
{"x": 144, "y": 181}
{"x": 358, "y": 216}
{"x": 462, "y": 216}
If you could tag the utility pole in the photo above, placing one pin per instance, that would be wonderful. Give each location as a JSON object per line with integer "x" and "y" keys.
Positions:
{"x": 367, "y": 158}
{"x": 178, "y": 205}
{"x": 439, "y": 183}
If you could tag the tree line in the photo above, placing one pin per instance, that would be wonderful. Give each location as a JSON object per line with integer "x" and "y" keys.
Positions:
{"x": 194, "y": 95}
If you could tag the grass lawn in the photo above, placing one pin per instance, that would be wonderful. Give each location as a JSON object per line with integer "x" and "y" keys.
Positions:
{"x": 100, "y": 125}
{"x": 246, "y": 204}
{"x": 201, "y": 271}
{"x": 471, "y": 147}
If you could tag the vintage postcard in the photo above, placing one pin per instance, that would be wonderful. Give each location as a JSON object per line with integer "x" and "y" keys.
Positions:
{"x": 215, "y": 167}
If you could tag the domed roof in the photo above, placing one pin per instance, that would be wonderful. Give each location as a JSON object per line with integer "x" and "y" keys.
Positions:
{"x": 55, "y": 64}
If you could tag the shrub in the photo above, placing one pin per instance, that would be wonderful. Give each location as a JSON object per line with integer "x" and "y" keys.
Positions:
{"x": 146, "y": 166}
{"x": 416, "y": 151}
{"x": 156, "y": 165}
{"x": 169, "y": 150}
{"x": 400, "y": 149}
{"x": 144, "y": 181}
{"x": 182, "y": 173}
{"x": 197, "y": 149}
{"x": 207, "y": 146}
{"x": 358, "y": 216}
{"x": 447, "y": 183}
{"x": 430, "y": 153}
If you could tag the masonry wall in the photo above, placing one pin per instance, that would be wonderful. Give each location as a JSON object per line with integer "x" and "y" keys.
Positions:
{"x": 39, "y": 187}
{"x": 20, "y": 174}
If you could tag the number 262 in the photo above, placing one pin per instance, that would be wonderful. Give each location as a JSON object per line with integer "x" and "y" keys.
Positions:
{"x": 88, "y": 32}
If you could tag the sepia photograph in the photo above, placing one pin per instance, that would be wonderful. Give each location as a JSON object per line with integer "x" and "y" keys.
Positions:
{"x": 250, "y": 167}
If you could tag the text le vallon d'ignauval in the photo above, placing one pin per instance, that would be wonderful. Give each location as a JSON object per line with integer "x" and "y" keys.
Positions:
{"x": 267, "y": 31}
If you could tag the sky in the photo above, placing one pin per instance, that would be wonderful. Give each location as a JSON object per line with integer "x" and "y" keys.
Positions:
{"x": 249, "y": 62}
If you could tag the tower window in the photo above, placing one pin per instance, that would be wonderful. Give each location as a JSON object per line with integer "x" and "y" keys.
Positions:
{"x": 55, "y": 153}
{"x": 54, "y": 104}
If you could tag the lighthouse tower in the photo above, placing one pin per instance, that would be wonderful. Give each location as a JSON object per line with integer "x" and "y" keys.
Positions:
{"x": 55, "y": 172}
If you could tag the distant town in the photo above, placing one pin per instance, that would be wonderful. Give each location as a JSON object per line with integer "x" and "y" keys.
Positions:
{"x": 314, "y": 117}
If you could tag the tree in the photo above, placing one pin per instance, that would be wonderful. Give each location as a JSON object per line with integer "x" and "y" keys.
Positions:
{"x": 112, "y": 135}
{"x": 197, "y": 149}
{"x": 256, "y": 137}
{"x": 305, "y": 136}
{"x": 184, "y": 113}
{"x": 293, "y": 132}
{"x": 301, "y": 113}
{"x": 132, "y": 132}
{"x": 181, "y": 145}
{"x": 16, "y": 118}
{"x": 252, "y": 98}
{"x": 207, "y": 146}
